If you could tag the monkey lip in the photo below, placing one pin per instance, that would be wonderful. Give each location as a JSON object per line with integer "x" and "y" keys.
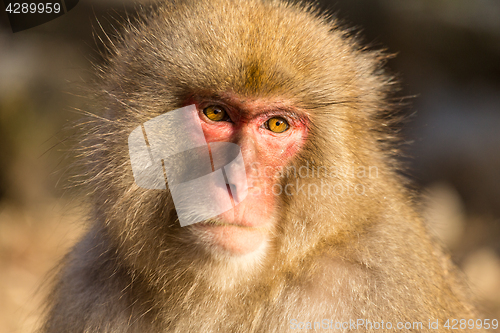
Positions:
{"x": 220, "y": 223}
{"x": 247, "y": 214}
{"x": 238, "y": 217}
{"x": 236, "y": 237}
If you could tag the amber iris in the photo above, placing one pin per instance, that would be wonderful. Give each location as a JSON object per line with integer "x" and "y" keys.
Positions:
{"x": 277, "y": 125}
{"x": 215, "y": 113}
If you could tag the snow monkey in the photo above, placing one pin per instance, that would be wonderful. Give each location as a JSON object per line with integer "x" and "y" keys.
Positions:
{"x": 321, "y": 230}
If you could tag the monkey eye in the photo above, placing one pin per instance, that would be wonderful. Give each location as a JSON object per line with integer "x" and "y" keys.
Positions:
{"x": 216, "y": 113}
{"x": 277, "y": 125}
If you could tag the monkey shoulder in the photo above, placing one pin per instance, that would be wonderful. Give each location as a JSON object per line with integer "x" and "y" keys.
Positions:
{"x": 94, "y": 293}
{"x": 392, "y": 257}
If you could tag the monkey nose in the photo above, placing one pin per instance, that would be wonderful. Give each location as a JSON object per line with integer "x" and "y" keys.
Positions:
{"x": 238, "y": 189}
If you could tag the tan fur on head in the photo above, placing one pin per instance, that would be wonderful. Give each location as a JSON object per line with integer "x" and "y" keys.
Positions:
{"x": 345, "y": 256}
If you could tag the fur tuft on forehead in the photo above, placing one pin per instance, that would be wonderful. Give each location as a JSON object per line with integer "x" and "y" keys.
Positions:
{"x": 257, "y": 48}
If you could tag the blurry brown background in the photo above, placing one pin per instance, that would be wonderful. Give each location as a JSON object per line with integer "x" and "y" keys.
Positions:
{"x": 448, "y": 58}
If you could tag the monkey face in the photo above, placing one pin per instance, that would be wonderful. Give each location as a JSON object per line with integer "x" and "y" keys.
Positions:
{"x": 287, "y": 92}
{"x": 207, "y": 177}
{"x": 269, "y": 134}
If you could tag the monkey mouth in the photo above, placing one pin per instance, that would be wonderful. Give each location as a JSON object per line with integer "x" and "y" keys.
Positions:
{"x": 241, "y": 216}
{"x": 234, "y": 237}
{"x": 221, "y": 223}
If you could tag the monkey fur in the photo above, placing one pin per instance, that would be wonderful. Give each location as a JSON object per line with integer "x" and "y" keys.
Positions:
{"x": 358, "y": 254}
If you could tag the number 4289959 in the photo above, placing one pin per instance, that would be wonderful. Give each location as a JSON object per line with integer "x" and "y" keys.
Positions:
{"x": 454, "y": 324}
{"x": 40, "y": 8}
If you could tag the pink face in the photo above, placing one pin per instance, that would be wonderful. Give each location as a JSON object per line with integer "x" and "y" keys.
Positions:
{"x": 269, "y": 133}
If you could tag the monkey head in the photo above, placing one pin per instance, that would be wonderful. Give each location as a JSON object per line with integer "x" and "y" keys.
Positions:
{"x": 284, "y": 83}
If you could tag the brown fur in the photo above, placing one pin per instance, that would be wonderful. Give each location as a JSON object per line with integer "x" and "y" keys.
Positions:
{"x": 335, "y": 257}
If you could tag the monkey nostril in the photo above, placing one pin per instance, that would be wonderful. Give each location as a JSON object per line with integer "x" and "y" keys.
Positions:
{"x": 237, "y": 192}
{"x": 233, "y": 192}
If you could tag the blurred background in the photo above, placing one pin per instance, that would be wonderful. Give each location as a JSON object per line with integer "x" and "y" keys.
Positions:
{"x": 448, "y": 60}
